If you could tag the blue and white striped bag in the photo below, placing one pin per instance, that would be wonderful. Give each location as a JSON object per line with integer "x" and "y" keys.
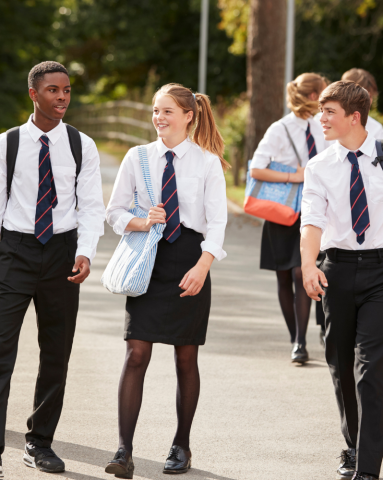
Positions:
{"x": 130, "y": 268}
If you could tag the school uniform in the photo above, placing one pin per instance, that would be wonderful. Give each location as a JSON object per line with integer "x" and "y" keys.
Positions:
{"x": 161, "y": 315}
{"x": 280, "y": 248}
{"x": 335, "y": 181}
{"x": 35, "y": 261}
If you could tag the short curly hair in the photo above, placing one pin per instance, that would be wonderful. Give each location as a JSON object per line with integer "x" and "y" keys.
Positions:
{"x": 38, "y": 71}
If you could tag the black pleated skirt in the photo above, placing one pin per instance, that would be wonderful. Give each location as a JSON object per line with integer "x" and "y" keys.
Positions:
{"x": 280, "y": 248}
{"x": 161, "y": 315}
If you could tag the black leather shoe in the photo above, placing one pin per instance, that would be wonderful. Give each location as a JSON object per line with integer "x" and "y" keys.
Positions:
{"x": 299, "y": 354}
{"x": 347, "y": 465}
{"x": 363, "y": 476}
{"x": 42, "y": 458}
{"x": 178, "y": 461}
{"x": 122, "y": 465}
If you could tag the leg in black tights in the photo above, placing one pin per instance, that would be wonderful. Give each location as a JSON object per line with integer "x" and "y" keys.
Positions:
{"x": 295, "y": 304}
{"x": 130, "y": 390}
{"x": 188, "y": 386}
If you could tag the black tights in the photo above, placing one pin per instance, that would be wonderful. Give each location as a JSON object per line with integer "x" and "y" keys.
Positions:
{"x": 131, "y": 386}
{"x": 295, "y": 304}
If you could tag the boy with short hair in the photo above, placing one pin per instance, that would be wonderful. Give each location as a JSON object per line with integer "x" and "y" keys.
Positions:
{"x": 52, "y": 216}
{"x": 342, "y": 214}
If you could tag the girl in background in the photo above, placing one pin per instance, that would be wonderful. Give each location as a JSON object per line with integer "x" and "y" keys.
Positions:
{"x": 186, "y": 169}
{"x": 280, "y": 249}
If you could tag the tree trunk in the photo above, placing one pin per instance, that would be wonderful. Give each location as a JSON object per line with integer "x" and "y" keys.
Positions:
{"x": 266, "y": 47}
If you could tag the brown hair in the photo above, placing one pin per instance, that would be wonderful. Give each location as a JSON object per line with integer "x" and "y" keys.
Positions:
{"x": 351, "y": 97}
{"x": 298, "y": 93}
{"x": 205, "y": 133}
{"x": 362, "y": 78}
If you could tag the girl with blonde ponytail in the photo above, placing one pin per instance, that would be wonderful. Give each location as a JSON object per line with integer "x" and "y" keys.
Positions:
{"x": 186, "y": 168}
{"x": 296, "y": 134}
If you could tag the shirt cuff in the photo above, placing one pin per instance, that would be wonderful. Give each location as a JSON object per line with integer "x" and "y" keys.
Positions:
{"x": 318, "y": 224}
{"x": 86, "y": 252}
{"x": 214, "y": 249}
{"x": 121, "y": 224}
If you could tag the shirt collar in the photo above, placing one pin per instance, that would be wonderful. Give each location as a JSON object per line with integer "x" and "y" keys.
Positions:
{"x": 179, "y": 150}
{"x": 35, "y": 133}
{"x": 367, "y": 148}
{"x": 300, "y": 121}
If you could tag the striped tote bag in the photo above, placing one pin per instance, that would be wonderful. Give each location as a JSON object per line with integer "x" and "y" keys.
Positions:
{"x": 130, "y": 268}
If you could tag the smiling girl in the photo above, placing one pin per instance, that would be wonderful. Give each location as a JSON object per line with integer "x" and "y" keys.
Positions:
{"x": 186, "y": 167}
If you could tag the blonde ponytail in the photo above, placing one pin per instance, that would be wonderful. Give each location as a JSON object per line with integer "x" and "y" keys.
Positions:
{"x": 202, "y": 128}
{"x": 298, "y": 93}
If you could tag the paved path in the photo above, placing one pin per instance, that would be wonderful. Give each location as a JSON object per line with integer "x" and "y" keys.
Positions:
{"x": 259, "y": 417}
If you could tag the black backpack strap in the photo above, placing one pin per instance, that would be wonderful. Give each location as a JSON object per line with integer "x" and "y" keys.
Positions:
{"x": 379, "y": 151}
{"x": 76, "y": 148}
{"x": 13, "y": 140}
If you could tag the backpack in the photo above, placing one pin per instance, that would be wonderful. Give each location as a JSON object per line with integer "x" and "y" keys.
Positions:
{"x": 379, "y": 151}
{"x": 13, "y": 138}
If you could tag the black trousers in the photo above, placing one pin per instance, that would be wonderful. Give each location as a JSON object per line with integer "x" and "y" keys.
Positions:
{"x": 29, "y": 270}
{"x": 353, "y": 307}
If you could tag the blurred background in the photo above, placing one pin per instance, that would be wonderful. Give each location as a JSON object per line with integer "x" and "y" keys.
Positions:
{"x": 118, "y": 52}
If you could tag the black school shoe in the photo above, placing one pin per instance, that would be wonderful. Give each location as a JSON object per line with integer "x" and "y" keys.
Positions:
{"x": 42, "y": 458}
{"x": 299, "y": 354}
{"x": 347, "y": 465}
{"x": 178, "y": 461}
{"x": 122, "y": 465}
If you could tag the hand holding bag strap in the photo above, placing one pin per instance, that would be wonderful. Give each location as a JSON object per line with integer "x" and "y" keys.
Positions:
{"x": 293, "y": 145}
{"x": 143, "y": 154}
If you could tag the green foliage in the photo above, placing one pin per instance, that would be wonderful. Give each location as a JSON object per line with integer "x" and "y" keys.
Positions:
{"x": 232, "y": 123}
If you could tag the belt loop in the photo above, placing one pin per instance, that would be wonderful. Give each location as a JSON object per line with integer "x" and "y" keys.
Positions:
{"x": 380, "y": 256}
{"x": 335, "y": 255}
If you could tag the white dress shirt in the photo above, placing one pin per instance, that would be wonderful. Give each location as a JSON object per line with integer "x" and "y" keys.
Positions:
{"x": 201, "y": 190}
{"x": 326, "y": 197}
{"x": 19, "y": 215}
{"x": 276, "y": 145}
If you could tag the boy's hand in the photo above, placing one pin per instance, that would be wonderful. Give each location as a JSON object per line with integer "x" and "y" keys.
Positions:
{"x": 311, "y": 278}
{"x": 82, "y": 263}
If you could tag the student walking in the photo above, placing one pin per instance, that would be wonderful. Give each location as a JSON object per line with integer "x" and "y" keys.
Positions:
{"x": 297, "y": 132}
{"x": 342, "y": 215}
{"x": 46, "y": 170}
{"x": 366, "y": 80}
{"x": 186, "y": 171}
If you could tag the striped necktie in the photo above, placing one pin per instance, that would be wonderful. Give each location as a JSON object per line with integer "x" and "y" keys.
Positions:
{"x": 170, "y": 200}
{"x": 46, "y": 198}
{"x": 310, "y": 143}
{"x": 358, "y": 199}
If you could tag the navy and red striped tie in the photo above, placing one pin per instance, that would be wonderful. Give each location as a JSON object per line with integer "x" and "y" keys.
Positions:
{"x": 310, "y": 143}
{"x": 358, "y": 199}
{"x": 47, "y": 197}
{"x": 170, "y": 200}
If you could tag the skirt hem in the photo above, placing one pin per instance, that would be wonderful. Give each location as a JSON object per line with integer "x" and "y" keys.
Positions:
{"x": 177, "y": 342}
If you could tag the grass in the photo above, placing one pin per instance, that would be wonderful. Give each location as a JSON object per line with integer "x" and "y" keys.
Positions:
{"x": 118, "y": 150}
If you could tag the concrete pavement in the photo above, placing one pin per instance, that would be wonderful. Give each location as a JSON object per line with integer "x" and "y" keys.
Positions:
{"x": 259, "y": 416}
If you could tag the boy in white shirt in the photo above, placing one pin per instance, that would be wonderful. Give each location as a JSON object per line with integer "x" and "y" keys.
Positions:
{"x": 342, "y": 214}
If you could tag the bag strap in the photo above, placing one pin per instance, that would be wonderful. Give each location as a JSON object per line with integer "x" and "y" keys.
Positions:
{"x": 143, "y": 154}
{"x": 379, "y": 151}
{"x": 13, "y": 140}
{"x": 293, "y": 145}
{"x": 76, "y": 149}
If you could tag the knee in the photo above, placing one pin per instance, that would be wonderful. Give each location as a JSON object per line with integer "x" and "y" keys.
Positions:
{"x": 185, "y": 363}
{"x": 137, "y": 358}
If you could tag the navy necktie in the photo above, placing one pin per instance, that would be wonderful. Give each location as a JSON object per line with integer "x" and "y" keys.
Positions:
{"x": 358, "y": 199}
{"x": 47, "y": 197}
{"x": 170, "y": 200}
{"x": 310, "y": 143}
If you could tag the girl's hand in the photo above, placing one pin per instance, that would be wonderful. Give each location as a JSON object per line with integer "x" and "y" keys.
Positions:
{"x": 156, "y": 215}
{"x": 194, "y": 279}
{"x": 298, "y": 176}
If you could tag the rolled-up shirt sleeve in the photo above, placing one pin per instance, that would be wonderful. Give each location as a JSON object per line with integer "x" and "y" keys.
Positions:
{"x": 216, "y": 210}
{"x": 314, "y": 201}
{"x": 117, "y": 212}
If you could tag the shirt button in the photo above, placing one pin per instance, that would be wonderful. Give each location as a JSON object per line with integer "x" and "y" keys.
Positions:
{"x": 360, "y": 259}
